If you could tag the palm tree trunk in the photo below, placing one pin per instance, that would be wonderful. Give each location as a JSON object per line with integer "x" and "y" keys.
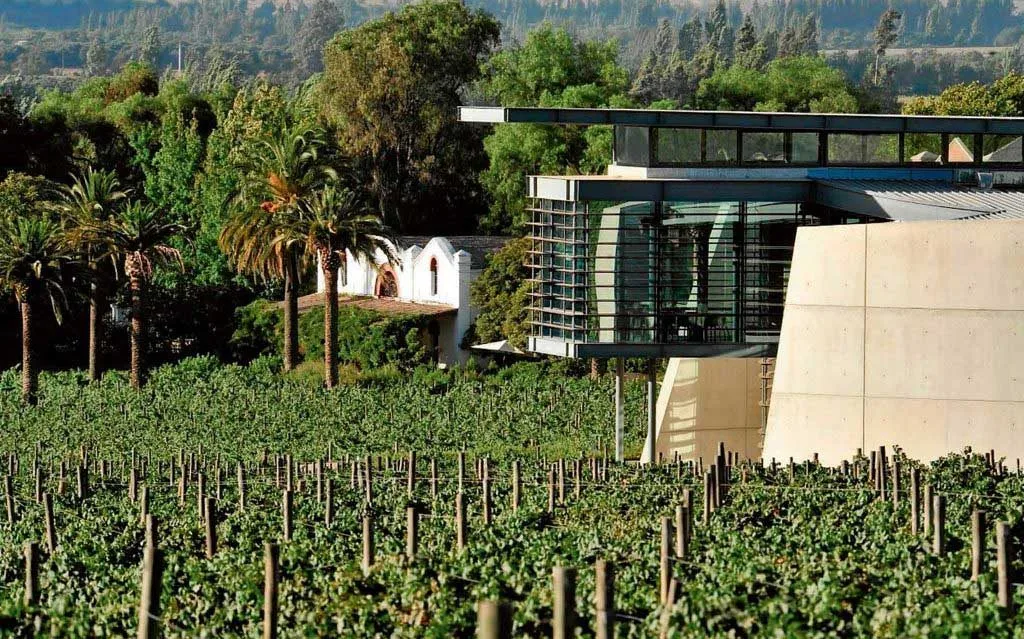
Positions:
{"x": 138, "y": 333}
{"x": 95, "y": 332}
{"x": 29, "y": 374}
{"x": 291, "y": 315}
{"x": 330, "y": 324}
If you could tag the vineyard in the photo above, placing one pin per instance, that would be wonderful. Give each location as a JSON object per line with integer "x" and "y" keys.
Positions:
{"x": 227, "y": 501}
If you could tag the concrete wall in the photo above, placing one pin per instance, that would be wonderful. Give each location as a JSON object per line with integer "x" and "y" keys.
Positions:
{"x": 706, "y": 401}
{"x": 902, "y": 334}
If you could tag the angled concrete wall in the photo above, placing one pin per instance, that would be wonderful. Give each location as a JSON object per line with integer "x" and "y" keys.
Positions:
{"x": 705, "y": 401}
{"x": 905, "y": 334}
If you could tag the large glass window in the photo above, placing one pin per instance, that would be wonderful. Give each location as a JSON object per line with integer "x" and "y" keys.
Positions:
{"x": 632, "y": 145}
{"x": 720, "y": 146}
{"x": 764, "y": 147}
{"x": 863, "y": 148}
{"x": 1002, "y": 149}
{"x": 805, "y": 148}
{"x": 924, "y": 148}
{"x": 677, "y": 146}
{"x": 960, "y": 149}
{"x": 645, "y": 272}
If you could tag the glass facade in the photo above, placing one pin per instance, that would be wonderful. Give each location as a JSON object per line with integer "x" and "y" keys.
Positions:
{"x": 681, "y": 147}
{"x": 662, "y": 272}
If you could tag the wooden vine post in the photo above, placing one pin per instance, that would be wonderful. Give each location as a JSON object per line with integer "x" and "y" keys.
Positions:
{"x": 604, "y": 600}
{"x": 368, "y": 549}
{"x": 433, "y": 478}
{"x": 665, "y": 559}
{"x": 51, "y": 531}
{"x": 493, "y": 620}
{"x": 271, "y": 554}
{"x": 410, "y": 480}
{"x": 563, "y": 622}
{"x": 915, "y": 500}
{"x": 241, "y": 486}
{"x": 286, "y": 512}
{"x": 895, "y": 483}
{"x": 31, "y": 574}
{"x": 682, "y": 532}
{"x": 939, "y": 525}
{"x": 516, "y": 486}
{"x": 411, "y": 532}
{"x": 328, "y": 501}
{"x": 460, "y": 521}
{"x": 1005, "y": 592}
{"x": 977, "y": 543}
{"x": 210, "y": 521}
{"x": 152, "y": 577}
{"x": 143, "y": 505}
{"x": 928, "y": 501}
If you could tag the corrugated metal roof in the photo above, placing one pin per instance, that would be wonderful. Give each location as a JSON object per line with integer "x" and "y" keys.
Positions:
{"x": 947, "y": 201}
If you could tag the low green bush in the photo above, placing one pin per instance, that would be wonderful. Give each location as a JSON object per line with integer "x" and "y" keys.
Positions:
{"x": 366, "y": 339}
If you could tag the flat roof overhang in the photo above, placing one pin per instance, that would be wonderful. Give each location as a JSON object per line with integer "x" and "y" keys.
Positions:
{"x": 582, "y": 188}
{"x": 837, "y": 122}
{"x": 583, "y": 350}
{"x": 900, "y": 195}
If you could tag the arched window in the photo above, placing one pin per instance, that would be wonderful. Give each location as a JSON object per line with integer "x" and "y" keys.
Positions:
{"x": 387, "y": 284}
{"x": 433, "y": 276}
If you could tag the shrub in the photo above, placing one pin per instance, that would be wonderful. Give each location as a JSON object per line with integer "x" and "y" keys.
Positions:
{"x": 258, "y": 331}
{"x": 365, "y": 338}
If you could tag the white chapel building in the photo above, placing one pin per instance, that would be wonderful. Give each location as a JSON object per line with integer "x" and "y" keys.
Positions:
{"x": 431, "y": 278}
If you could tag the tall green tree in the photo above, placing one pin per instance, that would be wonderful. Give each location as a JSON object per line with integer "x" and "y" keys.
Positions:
{"x": 800, "y": 83}
{"x": 96, "y": 57}
{"x": 502, "y": 293}
{"x": 391, "y": 88}
{"x": 150, "y": 51}
{"x": 136, "y": 239}
{"x": 93, "y": 196}
{"x": 886, "y": 33}
{"x": 331, "y": 222}
{"x": 282, "y": 172}
{"x": 323, "y": 20}
{"x": 37, "y": 265}
{"x": 551, "y": 68}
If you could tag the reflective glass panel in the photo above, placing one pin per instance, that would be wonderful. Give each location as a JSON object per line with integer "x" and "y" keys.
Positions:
{"x": 677, "y": 146}
{"x": 863, "y": 148}
{"x": 631, "y": 145}
{"x": 1001, "y": 149}
{"x": 805, "y": 148}
{"x": 923, "y": 148}
{"x": 764, "y": 147}
{"x": 721, "y": 146}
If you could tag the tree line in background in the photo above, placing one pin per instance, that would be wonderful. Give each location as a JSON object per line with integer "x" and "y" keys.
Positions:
{"x": 254, "y": 182}
{"x": 57, "y": 42}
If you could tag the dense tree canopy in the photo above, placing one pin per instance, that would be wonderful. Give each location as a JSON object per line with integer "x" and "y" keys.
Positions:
{"x": 391, "y": 88}
{"x": 551, "y": 68}
{"x": 1004, "y": 97}
{"x": 804, "y": 84}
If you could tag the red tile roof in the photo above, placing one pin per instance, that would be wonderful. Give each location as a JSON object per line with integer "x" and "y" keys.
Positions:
{"x": 382, "y": 305}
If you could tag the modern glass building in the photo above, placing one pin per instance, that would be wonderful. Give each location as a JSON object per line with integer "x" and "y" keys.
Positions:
{"x": 684, "y": 247}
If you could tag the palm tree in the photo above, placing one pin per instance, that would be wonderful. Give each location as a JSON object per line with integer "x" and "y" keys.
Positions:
{"x": 136, "y": 238}
{"x": 91, "y": 197}
{"x": 283, "y": 171}
{"x": 331, "y": 222}
{"x": 36, "y": 263}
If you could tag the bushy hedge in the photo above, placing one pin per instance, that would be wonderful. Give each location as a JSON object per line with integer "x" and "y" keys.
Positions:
{"x": 366, "y": 339}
